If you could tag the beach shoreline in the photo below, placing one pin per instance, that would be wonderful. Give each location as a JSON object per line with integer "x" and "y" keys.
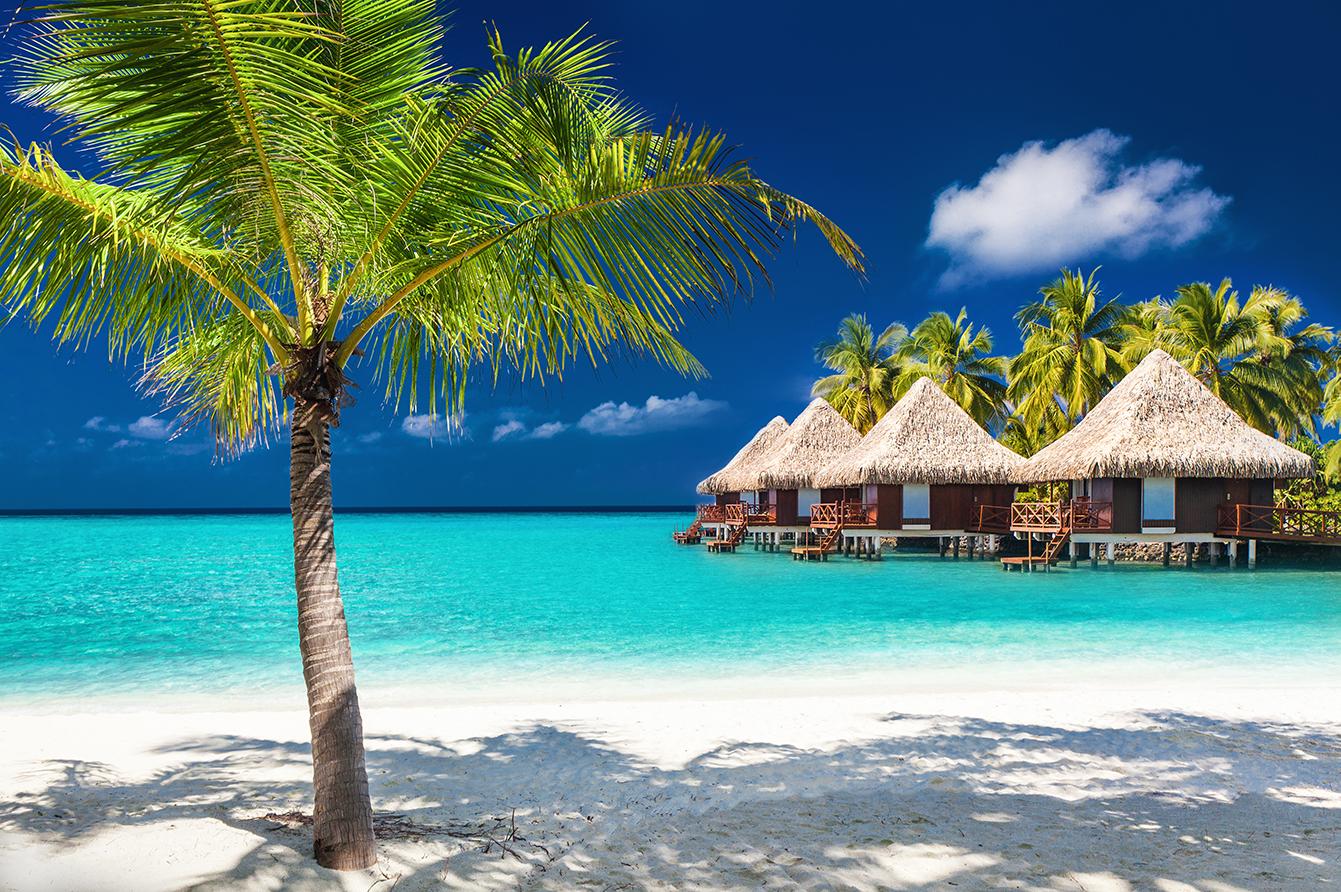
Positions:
{"x": 993, "y": 787}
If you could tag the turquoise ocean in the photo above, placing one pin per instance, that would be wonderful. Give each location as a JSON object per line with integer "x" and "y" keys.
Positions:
{"x": 467, "y": 603}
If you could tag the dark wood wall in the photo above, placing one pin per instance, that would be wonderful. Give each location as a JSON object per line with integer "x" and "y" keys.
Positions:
{"x": 840, "y": 494}
{"x": 889, "y": 506}
{"x": 728, "y": 498}
{"x": 1197, "y": 500}
{"x": 787, "y": 502}
{"x": 1125, "y": 494}
{"x": 951, "y": 506}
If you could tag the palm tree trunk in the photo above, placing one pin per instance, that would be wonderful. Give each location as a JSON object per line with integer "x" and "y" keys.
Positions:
{"x": 342, "y": 831}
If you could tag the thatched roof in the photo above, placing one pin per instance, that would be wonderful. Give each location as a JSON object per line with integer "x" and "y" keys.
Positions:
{"x": 925, "y": 438}
{"x": 1160, "y": 421}
{"x": 728, "y": 479}
{"x": 816, "y": 437}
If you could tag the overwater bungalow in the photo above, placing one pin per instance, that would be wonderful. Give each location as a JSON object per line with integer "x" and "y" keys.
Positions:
{"x": 728, "y": 484}
{"x": 1162, "y": 459}
{"x": 783, "y": 478}
{"x": 926, "y": 469}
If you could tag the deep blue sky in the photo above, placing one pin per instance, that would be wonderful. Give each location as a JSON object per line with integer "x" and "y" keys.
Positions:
{"x": 869, "y": 111}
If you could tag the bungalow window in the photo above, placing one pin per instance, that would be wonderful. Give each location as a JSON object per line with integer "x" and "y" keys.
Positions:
{"x": 916, "y": 505}
{"x": 1157, "y": 504}
{"x": 806, "y": 499}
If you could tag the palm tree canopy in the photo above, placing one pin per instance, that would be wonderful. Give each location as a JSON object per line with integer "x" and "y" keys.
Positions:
{"x": 957, "y": 356}
{"x": 865, "y": 366}
{"x": 287, "y": 185}
{"x": 1251, "y": 354}
{"x": 1072, "y": 352}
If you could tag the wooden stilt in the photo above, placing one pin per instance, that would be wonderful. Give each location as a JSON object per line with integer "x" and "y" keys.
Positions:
{"x": 1168, "y": 549}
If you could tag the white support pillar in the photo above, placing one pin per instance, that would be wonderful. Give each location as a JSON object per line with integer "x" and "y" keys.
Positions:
{"x": 1110, "y": 552}
{"x": 1252, "y": 552}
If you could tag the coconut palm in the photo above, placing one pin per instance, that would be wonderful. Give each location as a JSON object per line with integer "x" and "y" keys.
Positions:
{"x": 1143, "y": 329}
{"x": 1295, "y": 352}
{"x": 289, "y": 186}
{"x": 958, "y": 357}
{"x": 1071, "y": 355}
{"x": 1250, "y": 353}
{"x": 865, "y": 366}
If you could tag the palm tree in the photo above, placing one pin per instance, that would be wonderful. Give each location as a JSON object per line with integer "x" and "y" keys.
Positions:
{"x": 1249, "y": 354}
{"x": 865, "y": 366}
{"x": 1143, "y": 329}
{"x": 287, "y": 186}
{"x": 956, "y": 357}
{"x": 1294, "y": 352}
{"x": 1072, "y": 352}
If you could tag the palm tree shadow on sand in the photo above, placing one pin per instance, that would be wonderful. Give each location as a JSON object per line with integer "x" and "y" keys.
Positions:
{"x": 1181, "y": 802}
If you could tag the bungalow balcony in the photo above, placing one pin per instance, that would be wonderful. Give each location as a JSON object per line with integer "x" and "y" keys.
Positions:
{"x": 1079, "y": 515}
{"x": 1281, "y": 522}
{"x": 747, "y": 514}
{"x": 842, "y": 515}
{"x": 712, "y": 513}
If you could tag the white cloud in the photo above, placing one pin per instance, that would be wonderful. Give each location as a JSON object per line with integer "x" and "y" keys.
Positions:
{"x": 370, "y": 437}
{"x": 425, "y": 427}
{"x": 126, "y": 444}
{"x": 1043, "y": 206}
{"x": 657, "y": 414}
{"x": 507, "y": 429}
{"x": 146, "y": 427}
{"x": 99, "y": 423}
{"x": 548, "y": 430}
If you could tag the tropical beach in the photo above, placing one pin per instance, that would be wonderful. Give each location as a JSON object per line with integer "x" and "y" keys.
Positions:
{"x": 859, "y": 473}
{"x": 900, "y": 724}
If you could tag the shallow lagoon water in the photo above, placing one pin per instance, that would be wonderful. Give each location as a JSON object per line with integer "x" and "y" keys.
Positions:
{"x": 93, "y": 605}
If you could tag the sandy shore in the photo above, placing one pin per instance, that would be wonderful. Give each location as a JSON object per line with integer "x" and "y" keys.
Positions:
{"x": 1086, "y": 787}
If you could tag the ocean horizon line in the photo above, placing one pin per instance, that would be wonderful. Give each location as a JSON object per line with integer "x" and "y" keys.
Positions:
{"x": 358, "y": 509}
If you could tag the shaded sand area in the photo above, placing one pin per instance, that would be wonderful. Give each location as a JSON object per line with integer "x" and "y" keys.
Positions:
{"x": 1210, "y": 789}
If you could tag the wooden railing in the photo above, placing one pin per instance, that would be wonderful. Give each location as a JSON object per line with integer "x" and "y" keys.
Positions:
{"x": 825, "y": 514}
{"x": 1089, "y": 515}
{"x": 993, "y": 519}
{"x": 1081, "y": 515}
{"x": 1279, "y": 522}
{"x": 1036, "y": 517}
{"x": 741, "y": 513}
{"x": 711, "y": 513}
{"x": 831, "y": 515}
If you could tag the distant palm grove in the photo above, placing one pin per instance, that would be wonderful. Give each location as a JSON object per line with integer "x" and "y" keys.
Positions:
{"x": 1259, "y": 353}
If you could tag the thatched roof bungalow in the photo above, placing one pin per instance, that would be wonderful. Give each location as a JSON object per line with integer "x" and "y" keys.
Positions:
{"x": 737, "y": 475}
{"x": 816, "y": 437}
{"x": 1167, "y": 455}
{"x": 927, "y": 465}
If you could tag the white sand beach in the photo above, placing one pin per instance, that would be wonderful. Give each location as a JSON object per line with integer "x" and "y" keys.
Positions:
{"x": 1094, "y": 788}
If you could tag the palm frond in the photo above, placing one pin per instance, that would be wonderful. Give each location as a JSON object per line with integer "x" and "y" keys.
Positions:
{"x": 217, "y": 373}
{"x": 106, "y": 261}
{"x": 664, "y": 220}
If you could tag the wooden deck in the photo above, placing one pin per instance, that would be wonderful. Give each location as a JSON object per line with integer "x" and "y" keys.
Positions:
{"x": 1025, "y": 563}
{"x": 1279, "y": 523}
{"x": 810, "y": 553}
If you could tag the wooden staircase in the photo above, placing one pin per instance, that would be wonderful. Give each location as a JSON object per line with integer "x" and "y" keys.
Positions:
{"x": 831, "y": 542}
{"x": 731, "y": 542}
{"x": 691, "y": 536}
{"x": 1060, "y": 525}
{"x": 1056, "y": 544}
